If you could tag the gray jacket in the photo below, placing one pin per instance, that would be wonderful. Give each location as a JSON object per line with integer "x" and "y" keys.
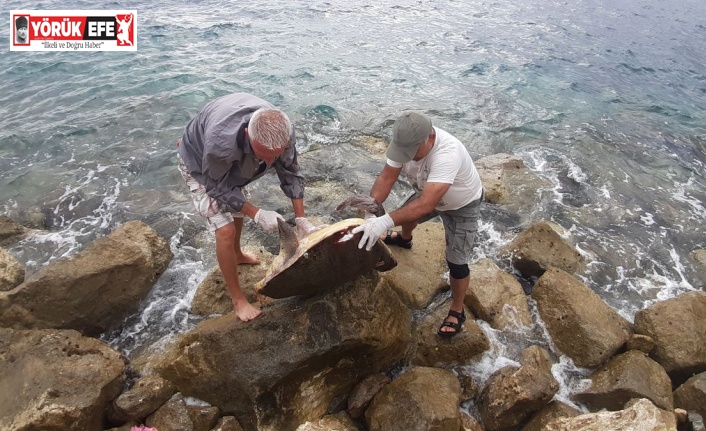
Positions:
{"x": 219, "y": 156}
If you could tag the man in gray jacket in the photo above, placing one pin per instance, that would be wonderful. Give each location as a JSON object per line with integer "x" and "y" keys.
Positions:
{"x": 231, "y": 142}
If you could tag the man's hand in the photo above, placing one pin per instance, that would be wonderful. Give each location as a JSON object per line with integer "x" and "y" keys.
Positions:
{"x": 372, "y": 229}
{"x": 304, "y": 227}
{"x": 268, "y": 219}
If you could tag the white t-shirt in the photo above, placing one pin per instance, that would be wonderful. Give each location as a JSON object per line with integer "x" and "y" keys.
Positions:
{"x": 448, "y": 162}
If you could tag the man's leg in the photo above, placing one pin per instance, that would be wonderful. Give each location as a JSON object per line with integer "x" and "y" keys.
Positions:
{"x": 459, "y": 286}
{"x": 243, "y": 258}
{"x": 228, "y": 263}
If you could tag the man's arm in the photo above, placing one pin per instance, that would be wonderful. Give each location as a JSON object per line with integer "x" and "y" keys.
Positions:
{"x": 431, "y": 195}
{"x": 384, "y": 182}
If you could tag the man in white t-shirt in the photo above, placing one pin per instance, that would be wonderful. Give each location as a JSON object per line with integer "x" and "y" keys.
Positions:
{"x": 447, "y": 184}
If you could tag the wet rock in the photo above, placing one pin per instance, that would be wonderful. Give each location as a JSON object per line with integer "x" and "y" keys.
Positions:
{"x": 691, "y": 396}
{"x": 507, "y": 181}
{"x": 624, "y": 377}
{"x": 332, "y": 341}
{"x": 430, "y": 349}
{"x": 513, "y": 394}
{"x": 539, "y": 247}
{"x": 639, "y": 342}
{"x": 212, "y": 295}
{"x": 496, "y": 297}
{"x": 228, "y": 423}
{"x": 678, "y": 327}
{"x": 171, "y": 416}
{"x": 12, "y": 273}
{"x": 10, "y": 231}
{"x": 420, "y": 399}
{"x": 419, "y": 272}
{"x": 469, "y": 387}
{"x": 363, "y": 393}
{"x": 203, "y": 418}
{"x": 699, "y": 257}
{"x": 469, "y": 423}
{"x": 338, "y": 422}
{"x": 641, "y": 416}
{"x": 56, "y": 380}
{"x": 127, "y": 427}
{"x": 582, "y": 326}
{"x": 551, "y": 411}
{"x": 145, "y": 396}
{"x": 93, "y": 291}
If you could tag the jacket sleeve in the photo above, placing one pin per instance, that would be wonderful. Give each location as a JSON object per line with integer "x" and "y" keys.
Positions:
{"x": 290, "y": 178}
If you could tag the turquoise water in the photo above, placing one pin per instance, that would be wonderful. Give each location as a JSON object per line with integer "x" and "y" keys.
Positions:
{"x": 605, "y": 99}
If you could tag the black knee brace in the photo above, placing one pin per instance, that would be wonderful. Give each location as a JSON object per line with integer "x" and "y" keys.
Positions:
{"x": 458, "y": 271}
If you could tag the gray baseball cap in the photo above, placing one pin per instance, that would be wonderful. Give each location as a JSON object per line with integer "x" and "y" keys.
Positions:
{"x": 408, "y": 132}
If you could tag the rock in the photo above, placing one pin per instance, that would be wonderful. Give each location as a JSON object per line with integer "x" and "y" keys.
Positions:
{"x": 420, "y": 399}
{"x": 691, "y": 396}
{"x": 93, "y": 291}
{"x": 288, "y": 365}
{"x": 10, "y": 231}
{"x": 12, "y": 273}
{"x": 582, "y": 326}
{"x": 642, "y": 416}
{"x": 171, "y": 416}
{"x": 429, "y": 349}
{"x": 145, "y": 396}
{"x": 127, "y": 427}
{"x": 513, "y": 394}
{"x": 507, "y": 180}
{"x": 56, "y": 380}
{"x": 624, "y": 377}
{"x": 203, "y": 418}
{"x": 551, "y": 411}
{"x": 539, "y": 247}
{"x": 363, "y": 393}
{"x": 639, "y": 342}
{"x": 496, "y": 297}
{"x": 469, "y": 387}
{"x": 419, "y": 274}
{"x": 469, "y": 423}
{"x": 212, "y": 295}
{"x": 228, "y": 423}
{"x": 678, "y": 327}
{"x": 699, "y": 257}
{"x": 338, "y": 422}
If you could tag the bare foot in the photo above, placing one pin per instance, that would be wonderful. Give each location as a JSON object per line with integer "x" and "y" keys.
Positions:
{"x": 245, "y": 311}
{"x": 247, "y": 259}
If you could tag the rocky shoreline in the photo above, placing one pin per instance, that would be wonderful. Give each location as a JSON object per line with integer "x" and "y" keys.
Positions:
{"x": 362, "y": 356}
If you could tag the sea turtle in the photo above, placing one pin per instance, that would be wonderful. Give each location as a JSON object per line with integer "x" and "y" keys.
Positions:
{"x": 321, "y": 261}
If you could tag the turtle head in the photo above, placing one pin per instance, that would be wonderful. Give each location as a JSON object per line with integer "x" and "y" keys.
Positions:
{"x": 363, "y": 203}
{"x": 288, "y": 241}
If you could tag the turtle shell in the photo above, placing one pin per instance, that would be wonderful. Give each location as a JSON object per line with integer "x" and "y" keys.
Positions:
{"x": 321, "y": 261}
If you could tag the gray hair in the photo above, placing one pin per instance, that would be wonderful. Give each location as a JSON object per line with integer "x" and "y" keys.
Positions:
{"x": 271, "y": 128}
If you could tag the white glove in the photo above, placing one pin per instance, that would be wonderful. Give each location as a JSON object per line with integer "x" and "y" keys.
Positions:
{"x": 372, "y": 229}
{"x": 268, "y": 219}
{"x": 304, "y": 227}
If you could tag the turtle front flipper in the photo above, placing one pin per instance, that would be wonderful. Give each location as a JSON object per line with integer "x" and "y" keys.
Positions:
{"x": 387, "y": 260}
{"x": 288, "y": 241}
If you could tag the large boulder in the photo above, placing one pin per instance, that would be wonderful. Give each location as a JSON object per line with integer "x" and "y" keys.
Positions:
{"x": 678, "y": 327}
{"x": 56, "y": 380}
{"x": 172, "y": 416}
{"x": 93, "y": 291}
{"x": 419, "y": 272}
{"x": 624, "y": 377}
{"x": 539, "y": 247}
{"x": 204, "y": 418}
{"x": 582, "y": 326}
{"x": 338, "y": 422}
{"x": 361, "y": 395}
{"x": 550, "y": 412}
{"x": 420, "y": 399}
{"x": 287, "y": 366}
{"x": 691, "y": 396}
{"x": 699, "y": 257}
{"x": 12, "y": 273}
{"x": 513, "y": 394}
{"x": 497, "y": 297}
{"x": 507, "y": 181}
{"x": 146, "y": 395}
{"x": 430, "y": 349}
{"x": 641, "y": 416}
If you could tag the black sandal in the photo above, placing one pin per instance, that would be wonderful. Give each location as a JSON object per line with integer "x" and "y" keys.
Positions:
{"x": 397, "y": 240}
{"x": 457, "y": 327}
